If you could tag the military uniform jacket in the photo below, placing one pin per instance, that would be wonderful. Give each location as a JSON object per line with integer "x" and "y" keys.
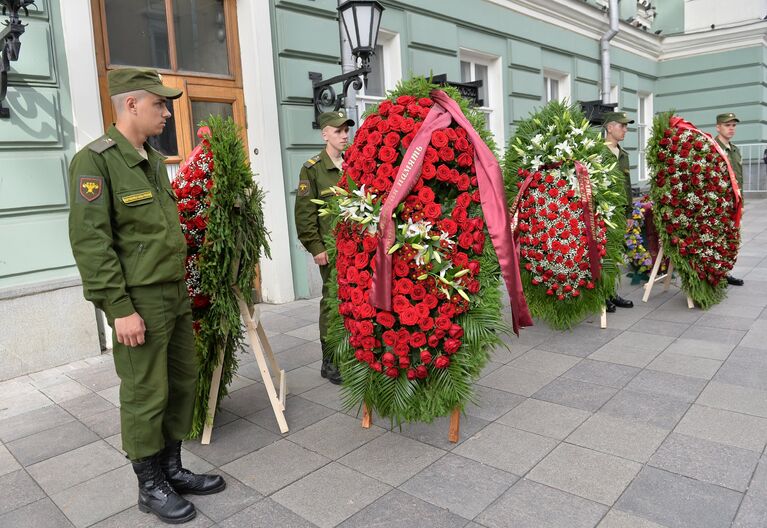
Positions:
{"x": 625, "y": 168}
{"x": 123, "y": 222}
{"x": 317, "y": 176}
{"x": 733, "y": 153}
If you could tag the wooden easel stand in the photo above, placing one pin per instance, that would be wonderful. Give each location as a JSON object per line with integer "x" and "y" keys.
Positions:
{"x": 262, "y": 350}
{"x": 452, "y": 434}
{"x": 666, "y": 278}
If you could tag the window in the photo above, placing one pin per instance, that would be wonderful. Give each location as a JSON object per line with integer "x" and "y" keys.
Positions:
{"x": 386, "y": 72}
{"x": 192, "y": 43}
{"x": 644, "y": 129}
{"x": 477, "y": 66}
{"x": 556, "y": 86}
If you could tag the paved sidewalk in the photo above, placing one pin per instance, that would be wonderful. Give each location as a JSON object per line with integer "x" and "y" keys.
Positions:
{"x": 660, "y": 420}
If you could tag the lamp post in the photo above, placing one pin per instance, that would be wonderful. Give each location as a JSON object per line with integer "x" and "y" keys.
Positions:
{"x": 10, "y": 44}
{"x": 361, "y": 20}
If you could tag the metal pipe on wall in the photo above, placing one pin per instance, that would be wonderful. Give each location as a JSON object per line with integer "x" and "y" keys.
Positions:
{"x": 604, "y": 47}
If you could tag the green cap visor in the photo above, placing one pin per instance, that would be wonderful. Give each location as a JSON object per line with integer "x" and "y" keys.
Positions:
{"x": 616, "y": 117}
{"x": 334, "y": 119}
{"x": 131, "y": 79}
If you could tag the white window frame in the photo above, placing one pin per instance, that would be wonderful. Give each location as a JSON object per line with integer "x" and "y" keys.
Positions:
{"x": 392, "y": 70}
{"x": 645, "y": 114}
{"x": 493, "y": 104}
{"x": 563, "y": 85}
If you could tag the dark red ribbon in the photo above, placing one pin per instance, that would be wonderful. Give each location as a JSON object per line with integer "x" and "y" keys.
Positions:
{"x": 492, "y": 197}
{"x": 587, "y": 204}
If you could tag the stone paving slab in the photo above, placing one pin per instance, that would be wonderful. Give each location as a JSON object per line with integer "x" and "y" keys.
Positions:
{"x": 659, "y": 421}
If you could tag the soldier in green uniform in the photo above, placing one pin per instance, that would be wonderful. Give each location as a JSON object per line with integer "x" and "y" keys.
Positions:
{"x": 725, "y": 131}
{"x": 615, "y": 125}
{"x": 129, "y": 249}
{"x": 317, "y": 175}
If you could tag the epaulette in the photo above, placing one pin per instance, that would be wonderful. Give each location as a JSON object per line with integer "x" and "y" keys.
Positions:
{"x": 101, "y": 144}
{"x": 309, "y": 163}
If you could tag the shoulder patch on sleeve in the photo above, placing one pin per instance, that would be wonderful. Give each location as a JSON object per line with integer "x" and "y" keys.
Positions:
{"x": 90, "y": 188}
{"x": 101, "y": 144}
{"x": 309, "y": 163}
{"x": 303, "y": 188}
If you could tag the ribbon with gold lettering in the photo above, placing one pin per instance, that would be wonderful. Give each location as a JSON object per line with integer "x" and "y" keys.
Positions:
{"x": 492, "y": 198}
{"x": 589, "y": 218}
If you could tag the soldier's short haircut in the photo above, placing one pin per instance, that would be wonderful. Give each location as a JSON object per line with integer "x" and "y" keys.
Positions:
{"x": 118, "y": 101}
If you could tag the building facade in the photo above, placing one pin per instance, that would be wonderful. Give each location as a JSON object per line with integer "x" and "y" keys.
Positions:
{"x": 251, "y": 60}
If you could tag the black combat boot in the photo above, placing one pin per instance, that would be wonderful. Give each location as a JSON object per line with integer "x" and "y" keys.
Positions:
{"x": 183, "y": 480}
{"x": 328, "y": 370}
{"x": 155, "y": 494}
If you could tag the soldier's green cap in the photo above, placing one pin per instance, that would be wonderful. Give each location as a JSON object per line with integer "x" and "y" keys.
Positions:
{"x": 335, "y": 119}
{"x": 131, "y": 79}
{"x": 616, "y": 117}
{"x": 728, "y": 116}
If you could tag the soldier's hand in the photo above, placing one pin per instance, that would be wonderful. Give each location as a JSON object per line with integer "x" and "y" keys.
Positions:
{"x": 130, "y": 330}
{"x": 321, "y": 259}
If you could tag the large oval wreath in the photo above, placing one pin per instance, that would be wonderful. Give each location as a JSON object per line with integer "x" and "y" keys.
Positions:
{"x": 221, "y": 215}
{"x": 697, "y": 206}
{"x": 417, "y": 360}
{"x": 566, "y": 193}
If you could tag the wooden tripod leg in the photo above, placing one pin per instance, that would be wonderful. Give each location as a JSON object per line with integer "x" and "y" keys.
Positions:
{"x": 275, "y": 367}
{"x": 255, "y": 343}
{"x": 603, "y": 318}
{"x": 667, "y": 280}
{"x": 366, "y": 417}
{"x": 690, "y": 303}
{"x": 215, "y": 384}
{"x": 653, "y": 276}
{"x": 455, "y": 426}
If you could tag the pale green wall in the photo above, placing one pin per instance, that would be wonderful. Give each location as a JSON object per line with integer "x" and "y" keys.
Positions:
{"x": 306, "y": 39}
{"x": 35, "y": 147}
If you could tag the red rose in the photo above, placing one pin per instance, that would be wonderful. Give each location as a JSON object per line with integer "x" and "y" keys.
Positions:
{"x": 377, "y": 366}
{"x": 409, "y": 316}
{"x": 388, "y": 359}
{"x": 402, "y": 348}
{"x": 421, "y": 372}
{"x": 389, "y": 337}
{"x": 401, "y": 269}
{"x": 425, "y": 357}
{"x": 360, "y": 260}
{"x": 439, "y": 139}
{"x": 418, "y": 293}
{"x": 432, "y": 211}
{"x": 442, "y": 362}
{"x": 449, "y": 226}
{"x": 387, "y": 154}
{"x": 451, "y": 345}
{"x": 392, "y": 372}
{"x": 417, "y": 339}
{"x": 385, "y": 319}
{"x": 433, "y": 341}
{"x": 369, "y": 244}
{"x": 465, "y": 240}
{"x": 455, "y": 331}
{"x": 443, "y": 323}
{"x": 404, "y": 362}
{"x": 411, "y": 374}
{"x": 427, "y": 323}
{"x": 426, "y": 195}
{"x": 428, "y": 171}
{"x": 446, "y": 154}
{"x": 464, "y": 160}
{"x": 400, "y": 304}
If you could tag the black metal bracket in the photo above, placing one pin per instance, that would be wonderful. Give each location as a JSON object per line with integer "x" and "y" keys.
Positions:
{"x": 11, "y": 44}
{"x": 594, "y": 110}
{"x": 468, "y": 90}
{"x": 324, "y": 96}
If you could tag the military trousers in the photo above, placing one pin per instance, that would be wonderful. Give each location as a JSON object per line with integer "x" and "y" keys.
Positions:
{"x": 158, "y": 380}
{"x": 325, "y": 309}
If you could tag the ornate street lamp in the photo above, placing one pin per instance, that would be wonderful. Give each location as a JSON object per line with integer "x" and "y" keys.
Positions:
{"x": 10, "y": 43}
{"x": 361, "y": 20}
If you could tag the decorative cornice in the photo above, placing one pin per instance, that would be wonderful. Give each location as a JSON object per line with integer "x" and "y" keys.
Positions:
{"x": 714, "y": 41}
{"x": 587, "y": 21}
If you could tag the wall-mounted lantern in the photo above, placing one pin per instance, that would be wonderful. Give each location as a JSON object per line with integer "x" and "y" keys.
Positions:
{"x": 361, "y": 20}
{"x": 10, "y": 43}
